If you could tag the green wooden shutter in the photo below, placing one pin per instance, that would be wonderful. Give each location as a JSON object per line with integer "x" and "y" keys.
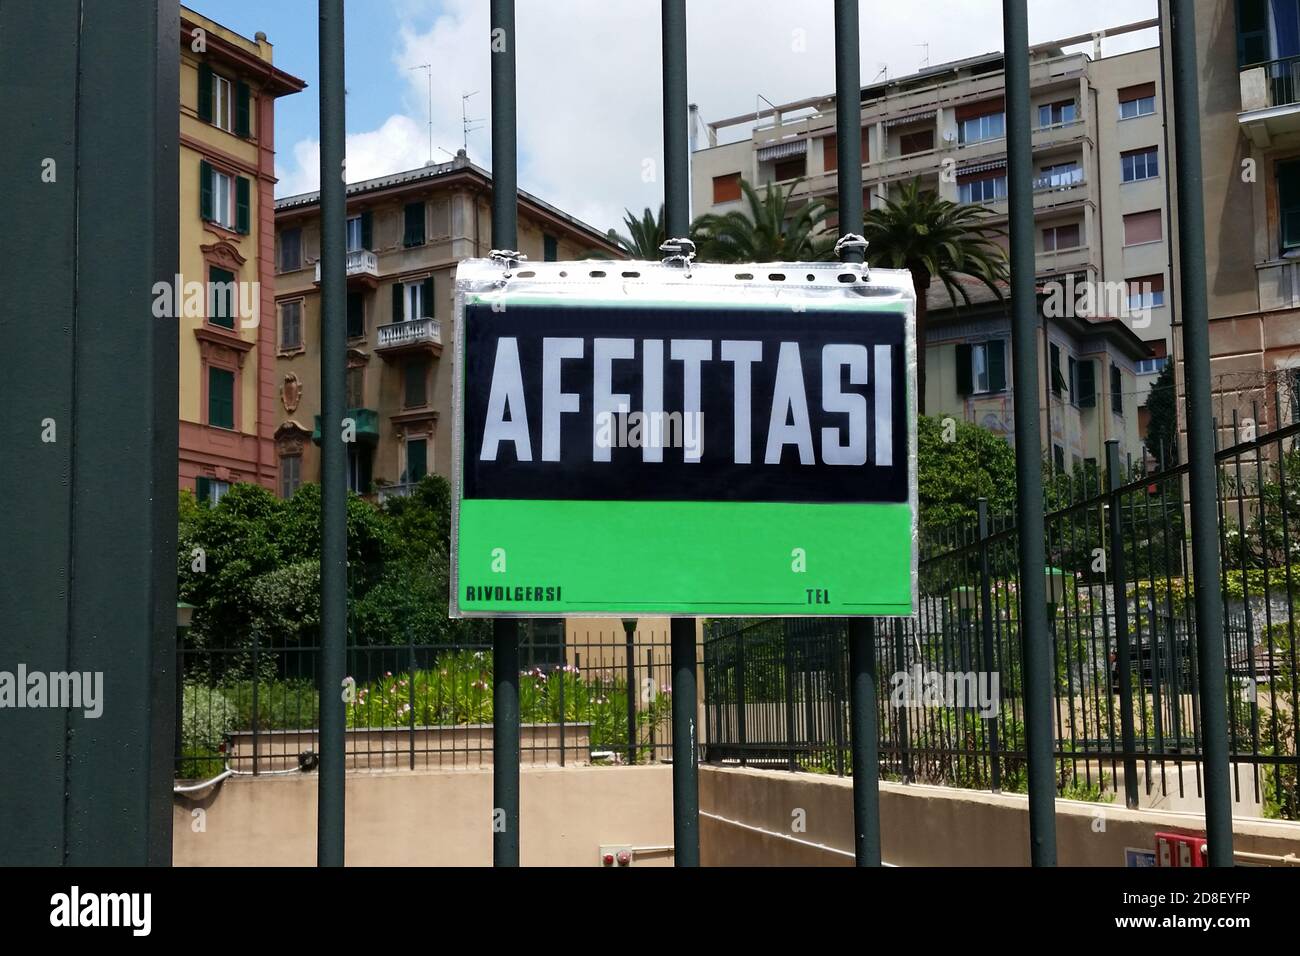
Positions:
{"x": 965, "y": 385}
{"x": 356, "y": 315}
{"x": 202, "y": 488}
{"x": 205, "y": 190}
{"x": 414, "y": 221}
{"x": 416, "y": 459}
{"x": 997, "y": 366}
{"x": 243, "y": 113}
{"x": 416, "y": 384}
{"x": 221, "y": 397}
{"x": 367, "y": 231}
{"x": 1087, "y": 383}
{"x": 1116, "y": 390}
{"x": 241, "y": 204}
{"x": 1054, "y": 372}
{"x": 221, "y": 297}
{"x": 399, "y": 313}
{"x": 205, "y": 93}
{"x": 426, "y": 294}
{"x": 550, "y": 248}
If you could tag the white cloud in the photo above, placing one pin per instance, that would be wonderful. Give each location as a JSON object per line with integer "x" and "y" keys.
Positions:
{"x": 589, "y": 84}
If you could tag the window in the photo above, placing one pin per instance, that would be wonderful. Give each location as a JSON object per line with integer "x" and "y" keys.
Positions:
{"x": 415, "y": 383}
{"x": 550, "y": 248}
{"x": 413, "y": 300}
{"x": 355, "y": 387}
{"x": 1139, "y": 164}
{"x": 831, "y": 155}
{"x": 726, "y": 188}
{"x": 1137, "y": 100}
{"x": 413, "y": 216}
{"x": 1146, "y": 292}
{"x": 290, "y": 474}
{"x": 221, "y": 397}
{"x": 354, "y": 234}
{"x": 976, "y": 129}
{"x": 291, "y": 325}
{"x": 417, "y": 460}
{"x": 1152, "y": 366}
{"x": 918, "y": 142}
{"x": 1140, "y": 227}
{"x": 983, "y": 189}
{"x": 1056, "y": 380}
{"x": 209, "y": 489}
{"x": 1267, "y": 30}
{"x": 290, "y": 249}
{"x": 1053, "y": 114}
{"x": 1072, "y": 376}
{"x": 356, "y": 315}
{"x": 1288, "y": 203}
{"x": 1086, "y": 396}
{"x": 223, "y": 199}
{"x": 1058, "y": 458}
{"x": 360, "y": 458}
{"x": 790, "y": 168}
{"x": 224, "y": 103}
{"x": 981, "y": 367}
{"x": 1116, "y": 390}
{"x": 221, "y": 297}
{"x": 1060, "y": 176}
{"x": 1061, "y": 237}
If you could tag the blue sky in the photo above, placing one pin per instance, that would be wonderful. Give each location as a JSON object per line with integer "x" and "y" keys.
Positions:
{"x": 590, "y": 137}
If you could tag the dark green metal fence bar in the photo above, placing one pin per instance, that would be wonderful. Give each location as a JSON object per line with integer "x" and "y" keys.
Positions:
{"x": 1038, "y": 677}
{"x": 1119, "y": 589}
{"x": 88, "y": 556}
{"x": 686, "y": 794}
{"x": 505, "y": 632}
{"x": 333, "y": 473}
{"x": 1202, "y": 482}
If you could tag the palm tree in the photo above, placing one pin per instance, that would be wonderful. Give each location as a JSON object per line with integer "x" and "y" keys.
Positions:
{"x": 644, "y": 235}
{"x": 934, "y": 238}
{"x": 772, "y": 229}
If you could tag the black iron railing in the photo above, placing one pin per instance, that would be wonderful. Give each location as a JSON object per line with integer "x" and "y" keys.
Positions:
{"x": 1126, "y": 699}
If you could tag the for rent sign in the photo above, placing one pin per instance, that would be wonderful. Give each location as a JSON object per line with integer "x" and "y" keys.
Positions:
{"x": 633, "y": 438}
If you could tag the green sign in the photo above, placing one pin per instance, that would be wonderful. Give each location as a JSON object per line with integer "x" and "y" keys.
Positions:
{"x": 639, "y": 438}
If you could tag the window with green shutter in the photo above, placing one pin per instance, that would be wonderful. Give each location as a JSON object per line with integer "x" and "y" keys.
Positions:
{"x": 550, "y": 248}
{"x": 413, "y": 234}
{"x": 241, "y": 204}
{"x": 417, "y": 458}
{"x": 997, "y": 365}
{"x": 221, "y": 297}
{"x": 356, "y": 315}
{"x": 1116, "y": 390}
{"x": 1087, "y": 372}
{"x": 965, "y": 384}
{"x": 243, "y": 110}
{"x": 426, "y": 298}
{"x": 205, "y": 93}
{"x": 205, "y": 191}
{"x": 221, "y": 397}
{"x": 1054, "y": 371}
{"x": 416, "y": 374}
{"x": 368, "y": 230}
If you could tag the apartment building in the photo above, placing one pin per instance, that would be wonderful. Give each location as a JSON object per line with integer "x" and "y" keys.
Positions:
{"x": 1248, "y": 54}
{"x": 405, "y": 235}
{"x": 224, "y": 299}
{"x": 1100, "y": 210}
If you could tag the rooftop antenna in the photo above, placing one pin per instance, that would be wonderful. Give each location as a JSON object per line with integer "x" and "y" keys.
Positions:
{"x": 428, "y": 68}
{"x": 925, "y": 60}
{"x": 466, "y": 124}
{"x": 884, "y": 72}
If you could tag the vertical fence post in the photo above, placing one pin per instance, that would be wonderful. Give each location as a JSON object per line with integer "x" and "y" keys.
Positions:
{"x": 864, "y": 741}
{"x": 505, "y": 632}
{"x": 1124, "y": 659}
{"x": 629, "y": 661}
{"x": 986, "y": 644}
{"x": 686, "y": 796}
{"x": 1038, "y": 677}
{"x": 1202, "y": 480}
{"x": 904, "y": 744}
{"x": 334, "y": 491}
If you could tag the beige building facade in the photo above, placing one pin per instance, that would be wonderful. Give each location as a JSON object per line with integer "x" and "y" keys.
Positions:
{"x": 1100, "y": 214}
{"x": 405, "y": 233}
